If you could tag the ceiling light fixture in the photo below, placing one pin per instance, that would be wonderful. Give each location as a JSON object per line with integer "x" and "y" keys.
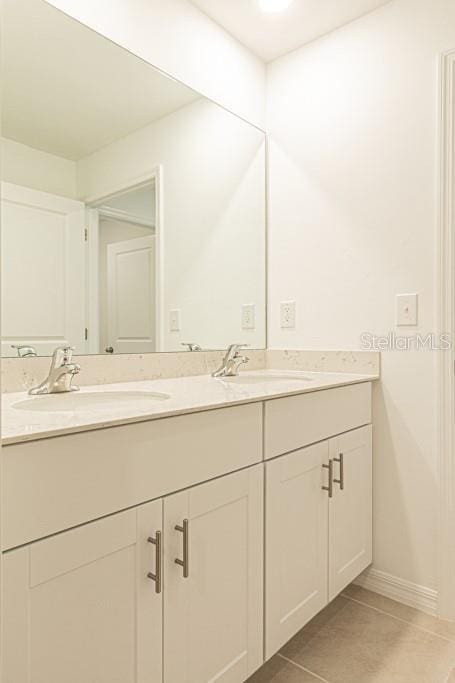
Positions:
{"x": 274, "y": 5}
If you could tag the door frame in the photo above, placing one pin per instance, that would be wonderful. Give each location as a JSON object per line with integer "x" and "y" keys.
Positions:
{"x": 93, "y": 203}
{"x": 445, "y": 293}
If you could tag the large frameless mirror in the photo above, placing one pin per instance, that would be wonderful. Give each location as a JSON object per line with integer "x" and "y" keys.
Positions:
{"x": 133, "y": 208}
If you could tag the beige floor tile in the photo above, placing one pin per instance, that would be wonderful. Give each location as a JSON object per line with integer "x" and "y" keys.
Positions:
{"x": 451, "y": 678}
{"x": 320, "y": 620}
{"x": 352, "y": 643}
{"x": 278, "y": 670}
{"x": 396, "y": 609}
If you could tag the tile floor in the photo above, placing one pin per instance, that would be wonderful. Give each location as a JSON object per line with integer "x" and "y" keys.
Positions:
{"x": 362, "y": 637}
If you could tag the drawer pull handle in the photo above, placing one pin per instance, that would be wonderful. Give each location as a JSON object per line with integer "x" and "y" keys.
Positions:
{"x": 157, "y": 576}
{"x": 185, "y": 562}
{"x": 329, "y": 488}
{"x": 340, "y": 481}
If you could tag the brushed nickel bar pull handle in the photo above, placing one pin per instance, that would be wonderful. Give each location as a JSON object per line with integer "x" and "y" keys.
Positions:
{"x": 185, "y": 562}
{"x": 329, "y": 488}
{"x": 157, "y": 576}
{"x": 340, "y": 481}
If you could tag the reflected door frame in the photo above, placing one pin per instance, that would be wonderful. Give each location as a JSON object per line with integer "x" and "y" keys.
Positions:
{"x": 155, "y": 175}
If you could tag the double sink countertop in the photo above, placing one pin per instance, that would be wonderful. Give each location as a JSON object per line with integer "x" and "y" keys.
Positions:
{"x": 26, "y": 418}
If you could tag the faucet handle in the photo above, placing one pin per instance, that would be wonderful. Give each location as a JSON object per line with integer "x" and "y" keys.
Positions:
{"x": 235, "y": 348}
{"x": 62, "y": 355}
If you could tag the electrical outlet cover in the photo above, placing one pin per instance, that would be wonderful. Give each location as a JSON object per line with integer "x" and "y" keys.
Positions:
{"x": 248, "y": 317}
{"x": 174, "y": 320}
{"x": 287, "y": 314}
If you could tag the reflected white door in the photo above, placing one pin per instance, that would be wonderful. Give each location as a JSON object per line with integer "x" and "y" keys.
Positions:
{"x": 43, "y": 270}
{"x": 131, "y": 295}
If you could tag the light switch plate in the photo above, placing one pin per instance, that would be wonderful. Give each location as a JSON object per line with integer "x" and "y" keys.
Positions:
{"x": 406, "y": 312}
{"x": 248, "y": 317}
{"x": 287, "y": 314}
{"x": 174, "y": 320}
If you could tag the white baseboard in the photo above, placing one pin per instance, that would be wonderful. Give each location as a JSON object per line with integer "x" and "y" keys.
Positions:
{"x": 411, "y": 594}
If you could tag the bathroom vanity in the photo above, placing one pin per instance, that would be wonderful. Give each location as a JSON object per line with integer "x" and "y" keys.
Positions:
{"x": 183, "y": 541}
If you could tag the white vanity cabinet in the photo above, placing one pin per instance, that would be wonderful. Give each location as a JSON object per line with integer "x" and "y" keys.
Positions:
{"x": 318, "y": 534}
{"x": 136, "y": 554}
{"x": 81, "y": 607}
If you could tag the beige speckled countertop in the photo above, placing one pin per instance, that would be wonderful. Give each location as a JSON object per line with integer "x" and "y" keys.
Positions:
{"x": 182, "y": 395}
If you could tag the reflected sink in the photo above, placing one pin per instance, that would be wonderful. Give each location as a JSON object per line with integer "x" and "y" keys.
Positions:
{"x": 260, "y": 379}
{"x": 56, "y": 403}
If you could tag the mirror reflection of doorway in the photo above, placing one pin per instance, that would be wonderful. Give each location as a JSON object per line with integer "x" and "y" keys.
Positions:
{"x": 127, "y": 271}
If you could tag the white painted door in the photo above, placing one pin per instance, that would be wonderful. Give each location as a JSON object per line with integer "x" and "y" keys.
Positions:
{"x": 350, "y": 509}
{"x": 213, "y": 618}
{"x": 131, "y": 295}
{"x": 79, "y": 607}
{"x": 296, "y": 523}
{"x": 43, "y": 270}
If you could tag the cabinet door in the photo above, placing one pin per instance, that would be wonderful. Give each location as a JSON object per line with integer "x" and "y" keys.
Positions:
{"x": 213, "y": 618}
{"x": 350, "y": 509}
{"x": 296, "y": 542}
{"x": 80, "y": 608}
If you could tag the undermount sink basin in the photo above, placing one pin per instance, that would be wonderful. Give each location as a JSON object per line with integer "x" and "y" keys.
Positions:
{"x": 260, "y": 379}
{"x": 56, "y": 403}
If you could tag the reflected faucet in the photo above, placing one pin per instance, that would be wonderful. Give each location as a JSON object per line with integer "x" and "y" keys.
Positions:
{"x": 61, "y": 373}
{"x": 192, "y": 346}
{"x": 24, "y": 351}
{"x": 231, "y": 362}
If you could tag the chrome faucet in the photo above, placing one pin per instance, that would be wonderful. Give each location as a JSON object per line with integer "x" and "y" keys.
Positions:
{"x": 231, "y": 362}
{"x": 61, "y": 373}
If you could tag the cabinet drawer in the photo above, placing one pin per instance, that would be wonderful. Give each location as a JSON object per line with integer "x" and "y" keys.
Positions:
{"x": 54, "y": 484}
{"x": 297, "y": 421}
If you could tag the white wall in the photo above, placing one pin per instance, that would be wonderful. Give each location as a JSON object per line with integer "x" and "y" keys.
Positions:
{"x": 23, "y": 165}
{"x": 178, "y": 38}
{"x": 212, "y": 238}
{"x": 353, "y": 121}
